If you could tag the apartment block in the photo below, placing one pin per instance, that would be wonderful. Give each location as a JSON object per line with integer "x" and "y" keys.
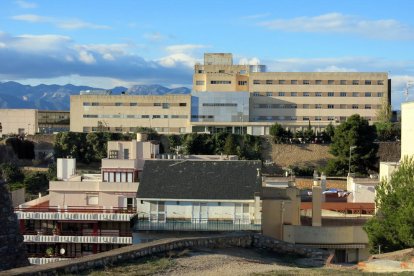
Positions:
{"x": 89, "y": 213}
{"x": 125, "y": 113}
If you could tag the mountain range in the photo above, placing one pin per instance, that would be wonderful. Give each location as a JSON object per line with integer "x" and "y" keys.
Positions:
{"x": 57, "y": 97}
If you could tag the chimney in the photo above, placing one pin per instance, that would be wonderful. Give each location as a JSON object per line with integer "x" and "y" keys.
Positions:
{"x": 316, "y": 204}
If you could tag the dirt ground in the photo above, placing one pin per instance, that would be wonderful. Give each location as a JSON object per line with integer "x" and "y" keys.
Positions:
{"x": 222, "y": 262}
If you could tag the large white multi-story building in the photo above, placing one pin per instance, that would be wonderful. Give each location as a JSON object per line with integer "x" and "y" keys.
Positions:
{"x": 239, "y": 99}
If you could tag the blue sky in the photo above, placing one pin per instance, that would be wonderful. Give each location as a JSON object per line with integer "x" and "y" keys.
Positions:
{"x": 107, "y": 43}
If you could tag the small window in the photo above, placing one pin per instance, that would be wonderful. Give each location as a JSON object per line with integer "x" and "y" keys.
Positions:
{"x": 183, "y": 104}
{"x": 318, "y": 106}
{"x": 318, "y": 82}
{"x": 118, "y": 104}
{"x": 281, "y": 94}
{"x": 282, "y": 82}
{"x": 269, "y": 94}
{"x": 86, "y": 104}
{"x": 331, "y": 118}
{"x": 256, "y": 94}
{"x": 293, "y": 94}
{"x": 200, "y": 82}
{"x": 355, "y": 94}
{"x": 126, "y": 153}
{"x": 318, "y": 118}
{"x": 318, "y": 94}
{"x": 306, "y": 94}
{"x": 293, "y": 82}
{"x": 242, "y": 82}
{"x": 256, "y": 81}
{"x": 269, "y": 82}
{"x": 221, "y": 71}
{"x": 331, "y": 94}
{"x": 354, "y": 106}
{"x": 156, "y": 116}
{"x": 331, "y": 106}
{"x": 380, "y": 82}
{"x": 331, "y": 82}
{"x": 113, "y": 154}
{"x": 165, "y": 105}
{"x": 157, "y": 104}
{"x": 343, "y": 82}
{"x": 306, "y": 118}
{"x": 133, "y": 104}
{"x": 95, "y": 104}
{"x": 380, "y": 94}
{"x": 145, "y": 116}
{"x": 305, "y": 106}
{"x": 306, "y": 82}
{"x": 367, "y": 106}
{"x": 367, "y": 94}
{"x": 367, "y": 82}
{"x": 342, "y": 94}
{"x": 355, "y": 82}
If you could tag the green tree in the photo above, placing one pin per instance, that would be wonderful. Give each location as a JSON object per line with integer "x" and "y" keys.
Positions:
{"x": 278, "y": 133}
{"x": 392, "y": 227}
{"x": 52, "y": 172}
{"x": 36, "y": 182}
{"x": 230, "y": 146}
{"x": 11, "y": 173}
{"x": 358, "y": 134}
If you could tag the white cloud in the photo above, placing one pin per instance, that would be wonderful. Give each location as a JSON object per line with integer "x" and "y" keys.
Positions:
{"x": 25, "y": 4}
{"x": 251, "y": 61}
{"x": 71, "y": 24}
{"x": 32, "y": 18}
{"x": 156, "y": 37}
{"x": 388, "y": 29}
{"x": 79, "y": 24}
{"x": 182, "y": 54}
{"x": 86, "y": 57}
{"x": 37, "y": 43}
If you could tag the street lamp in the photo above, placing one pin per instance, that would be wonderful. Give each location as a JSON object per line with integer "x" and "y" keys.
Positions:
{"x": 350, "y": 154}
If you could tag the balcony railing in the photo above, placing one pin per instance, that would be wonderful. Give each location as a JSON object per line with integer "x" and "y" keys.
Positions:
{"x": 42, "y": 260}
{"x": 75, "y": 213}
{"x": 197, "y": 225}
{"x": 76, "y": 239}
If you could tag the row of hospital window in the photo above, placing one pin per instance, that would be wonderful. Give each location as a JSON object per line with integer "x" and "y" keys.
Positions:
{"x": 320, "y": 82}
{"x": 303, "y": 82}
{"x": 163, "y": 105}
{"x": 319, "y": 94}
{"x": 318, "y": 106}
{"x": 133, "y": 129}
{"x": 305, "y": 118}
{"x": 124, "y": 116}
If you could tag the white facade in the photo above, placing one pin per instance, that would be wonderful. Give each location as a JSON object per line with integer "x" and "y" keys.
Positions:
{"x": 237, "y": 211}
{"x": 362, "y": 189}
{"x": 66, "y": 167}
{"x": 407, "y": 129}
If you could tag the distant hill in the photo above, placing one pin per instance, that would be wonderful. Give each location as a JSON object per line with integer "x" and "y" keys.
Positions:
{"x": 57, "y": 97}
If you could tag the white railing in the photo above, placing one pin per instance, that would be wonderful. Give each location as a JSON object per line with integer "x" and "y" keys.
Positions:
{"x": 77, "y": 239}
{"x": 73, "y": 216}
{"x": 41, "y": 261}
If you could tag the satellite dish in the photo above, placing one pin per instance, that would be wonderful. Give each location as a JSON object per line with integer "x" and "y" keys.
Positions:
{"x": 62, "y": 251}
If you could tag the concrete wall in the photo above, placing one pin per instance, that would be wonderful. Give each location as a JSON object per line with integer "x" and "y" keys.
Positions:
{"x": 66, "y": 167}
{"x": 316, "y": 257}
{"x": 386, "y": 169}
{"x": 325, "y": 235}
{"x": 18, "y": 121}
{"x": 80, "y": 193}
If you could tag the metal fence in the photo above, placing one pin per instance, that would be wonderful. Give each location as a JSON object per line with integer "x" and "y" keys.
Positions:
{"x": 196, "y": 225}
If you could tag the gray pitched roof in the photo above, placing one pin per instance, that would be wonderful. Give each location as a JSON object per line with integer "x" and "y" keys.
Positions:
{"x": 195, "y": 179}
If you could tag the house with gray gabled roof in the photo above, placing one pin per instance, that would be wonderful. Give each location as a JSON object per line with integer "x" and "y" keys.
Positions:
{"x": 197, "y": 195}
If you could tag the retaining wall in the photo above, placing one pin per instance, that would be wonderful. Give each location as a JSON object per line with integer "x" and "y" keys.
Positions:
{"x": 316, "y": 257}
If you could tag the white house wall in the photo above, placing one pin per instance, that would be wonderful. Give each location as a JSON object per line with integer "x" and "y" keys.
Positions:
{"x": 183, "y": 210}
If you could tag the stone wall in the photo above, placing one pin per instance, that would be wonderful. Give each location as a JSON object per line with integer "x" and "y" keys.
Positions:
{"x": 315, "y": 256}
{"x": 12, "y": 249}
